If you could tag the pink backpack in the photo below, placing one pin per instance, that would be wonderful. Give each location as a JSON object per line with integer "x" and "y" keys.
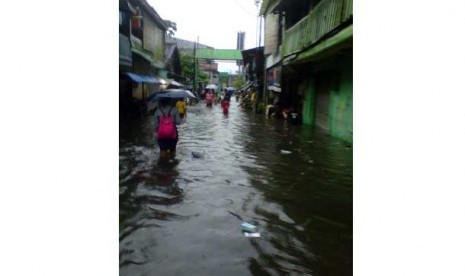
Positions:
{"x": 166, "y": 128}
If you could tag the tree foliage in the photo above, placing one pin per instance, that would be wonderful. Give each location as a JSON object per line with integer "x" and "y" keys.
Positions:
{"x": 187, "y": 65}
{"x": 238, "y": 82}
{"x": 203, "y": 77}
{"x": 172, "y": 28}
{"x": 187, "y": 68}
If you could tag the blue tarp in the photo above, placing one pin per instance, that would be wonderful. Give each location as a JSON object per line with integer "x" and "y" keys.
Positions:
{"x": 142, "y": 78}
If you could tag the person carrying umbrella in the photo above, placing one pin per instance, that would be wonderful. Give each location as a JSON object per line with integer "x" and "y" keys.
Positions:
{"x": 166, "y": 117}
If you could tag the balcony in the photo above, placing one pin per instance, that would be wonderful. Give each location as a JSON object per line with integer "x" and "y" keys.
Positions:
{"x": 323, "y": 19}
{"x": 139, "y": 49}
{"x": 136, "y": 42}
{"x": 125, "y": 54}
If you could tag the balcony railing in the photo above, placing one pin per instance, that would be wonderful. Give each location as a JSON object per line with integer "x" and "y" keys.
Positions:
{"x": 324, "y": 18}
{"x": 136, "y": 42}
{"x": 138, "y": 48}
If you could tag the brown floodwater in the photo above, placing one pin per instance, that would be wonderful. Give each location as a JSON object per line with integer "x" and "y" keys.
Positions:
{"x": 183, "y": 216}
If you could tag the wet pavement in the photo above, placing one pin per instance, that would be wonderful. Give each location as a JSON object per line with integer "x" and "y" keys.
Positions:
{"x": 183, "y": 216}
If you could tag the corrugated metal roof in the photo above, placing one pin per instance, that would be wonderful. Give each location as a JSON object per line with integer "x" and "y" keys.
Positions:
{"x": 186, "y": 44}
{"x": 153, "y": 13}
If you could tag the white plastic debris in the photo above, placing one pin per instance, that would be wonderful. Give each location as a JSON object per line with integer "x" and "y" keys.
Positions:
{"x": 286, "y": 152}
{"x": 252, "y": 235}
{"x": 248, "y": 227}
{"x": 249, "y": 230}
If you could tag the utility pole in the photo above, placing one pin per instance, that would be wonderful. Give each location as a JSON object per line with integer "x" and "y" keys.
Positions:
{"x": 194, "y": 84}
{"x": 193, "y": 71}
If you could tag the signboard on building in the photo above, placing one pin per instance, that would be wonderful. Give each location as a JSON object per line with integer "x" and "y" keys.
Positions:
{"x": 203, "y": 66}
{"x": 274, "y": 77}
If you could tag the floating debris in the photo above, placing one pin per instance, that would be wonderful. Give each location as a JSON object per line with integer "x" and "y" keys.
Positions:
{"x": 196, "y": 154}
{"x": 286, "y": 152}
{"x": 249, "y": 230}
{"x": 252, "y": 235}
{"x": 248, "y": 227}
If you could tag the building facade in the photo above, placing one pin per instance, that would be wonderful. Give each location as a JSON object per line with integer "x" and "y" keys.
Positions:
{"x": 142, "y": 51}
{"x": 308, "y": 52}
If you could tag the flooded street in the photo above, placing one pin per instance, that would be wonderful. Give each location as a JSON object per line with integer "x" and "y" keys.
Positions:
{"x": 183, "y": 216}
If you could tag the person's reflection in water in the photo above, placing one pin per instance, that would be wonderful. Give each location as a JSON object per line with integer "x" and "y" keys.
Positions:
{"x": 165, "y": 176}
{"x": 165, "y": 171}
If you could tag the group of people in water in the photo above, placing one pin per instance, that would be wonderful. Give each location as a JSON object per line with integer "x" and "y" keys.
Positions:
{"x": 210, "y": 98}
{"x": 172, "y": 112}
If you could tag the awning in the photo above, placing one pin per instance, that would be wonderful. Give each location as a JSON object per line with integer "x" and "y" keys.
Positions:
{"x": 142, "y": 54}
{"x": 342, "y": 39}
{"x": 162, "y": 81}
{"x": 174, "y": 83}
{"x": 142, "y": 78}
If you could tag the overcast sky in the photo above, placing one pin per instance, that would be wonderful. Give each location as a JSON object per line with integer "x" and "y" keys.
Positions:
{"x": 214, "y": 22}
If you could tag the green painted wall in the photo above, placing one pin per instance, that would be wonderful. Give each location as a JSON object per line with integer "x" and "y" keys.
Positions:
{"x": 308, "y": 109}
{"x": 340, "y": 113}
{"x": 340, "y": 101}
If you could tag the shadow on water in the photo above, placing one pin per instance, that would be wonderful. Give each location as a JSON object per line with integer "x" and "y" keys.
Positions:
{"x": 182, "y": 216}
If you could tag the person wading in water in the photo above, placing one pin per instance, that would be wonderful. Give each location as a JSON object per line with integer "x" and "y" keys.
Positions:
{"x": 166, "y": 117}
